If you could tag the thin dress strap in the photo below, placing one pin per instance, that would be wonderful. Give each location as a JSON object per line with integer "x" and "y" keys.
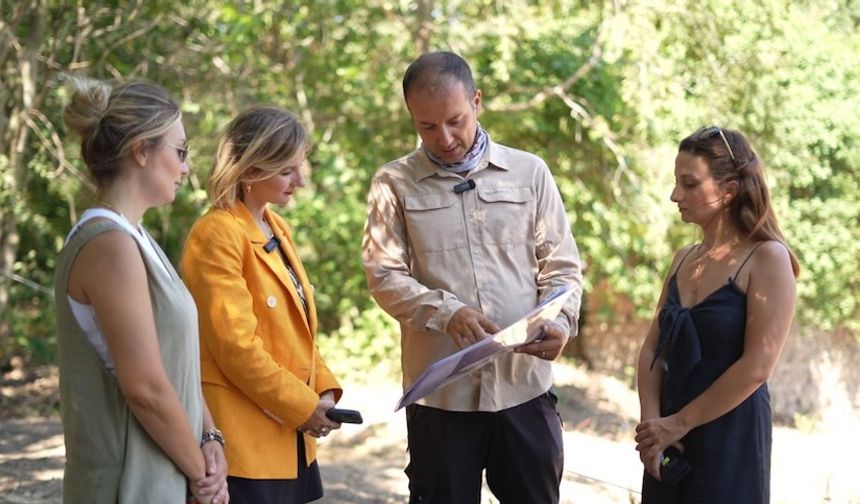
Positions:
{"x": 684, "y": 258}
{"x": 738, "y": 272}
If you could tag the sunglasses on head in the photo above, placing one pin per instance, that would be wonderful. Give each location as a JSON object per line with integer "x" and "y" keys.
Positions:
{"x": 182, "y": 152}
{"x": 714, "y": 131}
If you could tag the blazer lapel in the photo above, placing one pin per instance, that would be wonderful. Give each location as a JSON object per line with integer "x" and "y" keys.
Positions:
{"x": 289, "y": 248}
{"x": 272, "y": 259}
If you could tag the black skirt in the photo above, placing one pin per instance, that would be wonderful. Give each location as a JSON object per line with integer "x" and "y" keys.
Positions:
{"x": 306, "y": 487}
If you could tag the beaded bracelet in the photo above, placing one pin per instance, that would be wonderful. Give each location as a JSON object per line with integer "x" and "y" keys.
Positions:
{"x": 212, "y": 434}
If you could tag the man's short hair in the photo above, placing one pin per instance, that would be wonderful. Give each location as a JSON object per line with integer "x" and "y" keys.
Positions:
{"x": 431, "y": 71}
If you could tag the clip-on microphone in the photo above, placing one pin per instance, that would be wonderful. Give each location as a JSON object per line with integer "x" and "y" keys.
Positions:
{"x": 271, "y": 245}
{"x": 464, "y": 186}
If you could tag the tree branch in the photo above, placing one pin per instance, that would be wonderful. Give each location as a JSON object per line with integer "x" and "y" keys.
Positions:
{"x": 7, "y": 30}
{"x": 53, "y": 145}
{"x": 558, "y": 89}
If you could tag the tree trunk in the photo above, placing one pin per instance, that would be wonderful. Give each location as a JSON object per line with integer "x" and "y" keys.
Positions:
{"x": 15, "y": 137}
{"x": 424, "y": 29}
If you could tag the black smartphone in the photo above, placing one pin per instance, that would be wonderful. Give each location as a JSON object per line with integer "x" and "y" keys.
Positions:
{"x": 344, "y": 415}
{"x": 673, "y": 466}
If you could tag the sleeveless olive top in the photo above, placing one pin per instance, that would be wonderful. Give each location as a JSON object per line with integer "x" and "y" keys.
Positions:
{"x": 109, "y": 456}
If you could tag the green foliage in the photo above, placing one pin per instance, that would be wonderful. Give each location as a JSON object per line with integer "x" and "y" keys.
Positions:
{"x": 602, "y": 91}
{"x": 364, "y": 343}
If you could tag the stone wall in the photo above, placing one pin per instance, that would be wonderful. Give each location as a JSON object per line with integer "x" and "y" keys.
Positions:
{"x": 817, "y": 378}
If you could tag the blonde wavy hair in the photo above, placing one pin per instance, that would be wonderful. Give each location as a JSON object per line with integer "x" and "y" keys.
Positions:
{"x": 255, "y": 146}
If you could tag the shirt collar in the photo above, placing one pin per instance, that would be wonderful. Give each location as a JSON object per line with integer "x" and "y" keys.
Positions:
{"x": 495, "y": 157}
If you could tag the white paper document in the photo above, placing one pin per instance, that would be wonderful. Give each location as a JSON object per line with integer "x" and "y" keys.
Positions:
{"x": 525, "y": 330}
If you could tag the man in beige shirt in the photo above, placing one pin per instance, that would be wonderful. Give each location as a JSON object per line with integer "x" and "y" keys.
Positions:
{"x": 464, "y": 236}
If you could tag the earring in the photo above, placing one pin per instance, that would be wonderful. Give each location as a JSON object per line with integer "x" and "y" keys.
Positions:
{"x": 248, "y": 188}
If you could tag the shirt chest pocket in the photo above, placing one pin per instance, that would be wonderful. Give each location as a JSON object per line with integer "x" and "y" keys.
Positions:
{"x": 508, "y": 215}
{"x": 434, "y": 222}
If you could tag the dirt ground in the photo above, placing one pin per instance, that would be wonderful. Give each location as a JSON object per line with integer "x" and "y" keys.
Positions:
{"x": 364, "y": 464}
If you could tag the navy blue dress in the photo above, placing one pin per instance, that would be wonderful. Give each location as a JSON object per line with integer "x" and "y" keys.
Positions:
{"x": 730, "y": 456}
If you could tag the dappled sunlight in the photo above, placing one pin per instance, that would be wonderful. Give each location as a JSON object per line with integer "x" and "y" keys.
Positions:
{"x": 31, "y": 438}
{"x": 600, "y": 91}
{"x": 32, "y": 457}
{"x": 363, "y": 464}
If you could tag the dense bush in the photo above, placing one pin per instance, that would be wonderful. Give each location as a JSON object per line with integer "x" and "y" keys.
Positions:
{"x": 602, "y": 91}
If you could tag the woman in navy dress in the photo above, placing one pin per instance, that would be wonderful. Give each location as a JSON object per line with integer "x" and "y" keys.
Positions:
{"x": 724, "y": 315}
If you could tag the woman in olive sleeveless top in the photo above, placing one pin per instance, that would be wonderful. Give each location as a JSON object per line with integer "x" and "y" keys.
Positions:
{"x": 135, "y": 424}
{"x": 724, "y": 316}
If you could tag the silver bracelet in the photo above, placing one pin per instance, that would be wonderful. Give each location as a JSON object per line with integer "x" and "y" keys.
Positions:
{"x": 212, "y": 434}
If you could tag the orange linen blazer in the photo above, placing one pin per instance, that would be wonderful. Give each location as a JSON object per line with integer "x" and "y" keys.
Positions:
{"x": 261, "y": 370}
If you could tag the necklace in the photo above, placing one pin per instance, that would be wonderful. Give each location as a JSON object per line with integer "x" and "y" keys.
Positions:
{"x": 103, "y": 203}
{"x": 703, "y": 259}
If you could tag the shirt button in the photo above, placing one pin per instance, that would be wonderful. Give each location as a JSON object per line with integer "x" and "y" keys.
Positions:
{"x": 476, "y": 251}
{"x": 271, "y": 301}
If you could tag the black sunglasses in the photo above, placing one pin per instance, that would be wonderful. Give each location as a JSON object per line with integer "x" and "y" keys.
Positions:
{"x": 714, "y": 131}
{"x": 182, "y": 152}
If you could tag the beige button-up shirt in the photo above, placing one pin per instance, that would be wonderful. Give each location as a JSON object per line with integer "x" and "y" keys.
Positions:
{"x": 499, "y": 248}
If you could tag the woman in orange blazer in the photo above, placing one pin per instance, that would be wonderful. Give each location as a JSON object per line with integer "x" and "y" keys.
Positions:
{"x": 263, "y": 378}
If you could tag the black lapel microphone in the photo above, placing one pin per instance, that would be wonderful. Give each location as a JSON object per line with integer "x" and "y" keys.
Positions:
{"x": 464, "y": 186}
{"x": 271, "y": 245}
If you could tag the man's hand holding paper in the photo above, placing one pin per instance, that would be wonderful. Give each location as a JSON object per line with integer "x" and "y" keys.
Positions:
{"x": 535, "y": 334}
{"x": 548, "y": 345}
{"x": 469, "y": 326}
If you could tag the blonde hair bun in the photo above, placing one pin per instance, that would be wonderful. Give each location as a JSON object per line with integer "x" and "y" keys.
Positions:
{"x": 88, "y": 105}
{"x": 111, "y": 118}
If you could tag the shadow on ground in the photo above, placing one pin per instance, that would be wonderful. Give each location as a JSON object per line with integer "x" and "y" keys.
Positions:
{"x": 582, "y": 411}
{"x": 31, "y": 460}
{"x": 366, "y": 467}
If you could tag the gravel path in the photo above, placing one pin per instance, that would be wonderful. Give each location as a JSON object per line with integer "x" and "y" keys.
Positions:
{"x": 364, "y": 464}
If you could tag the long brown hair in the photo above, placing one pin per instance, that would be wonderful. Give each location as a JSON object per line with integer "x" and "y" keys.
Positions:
{"x": 730, "y": 157}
